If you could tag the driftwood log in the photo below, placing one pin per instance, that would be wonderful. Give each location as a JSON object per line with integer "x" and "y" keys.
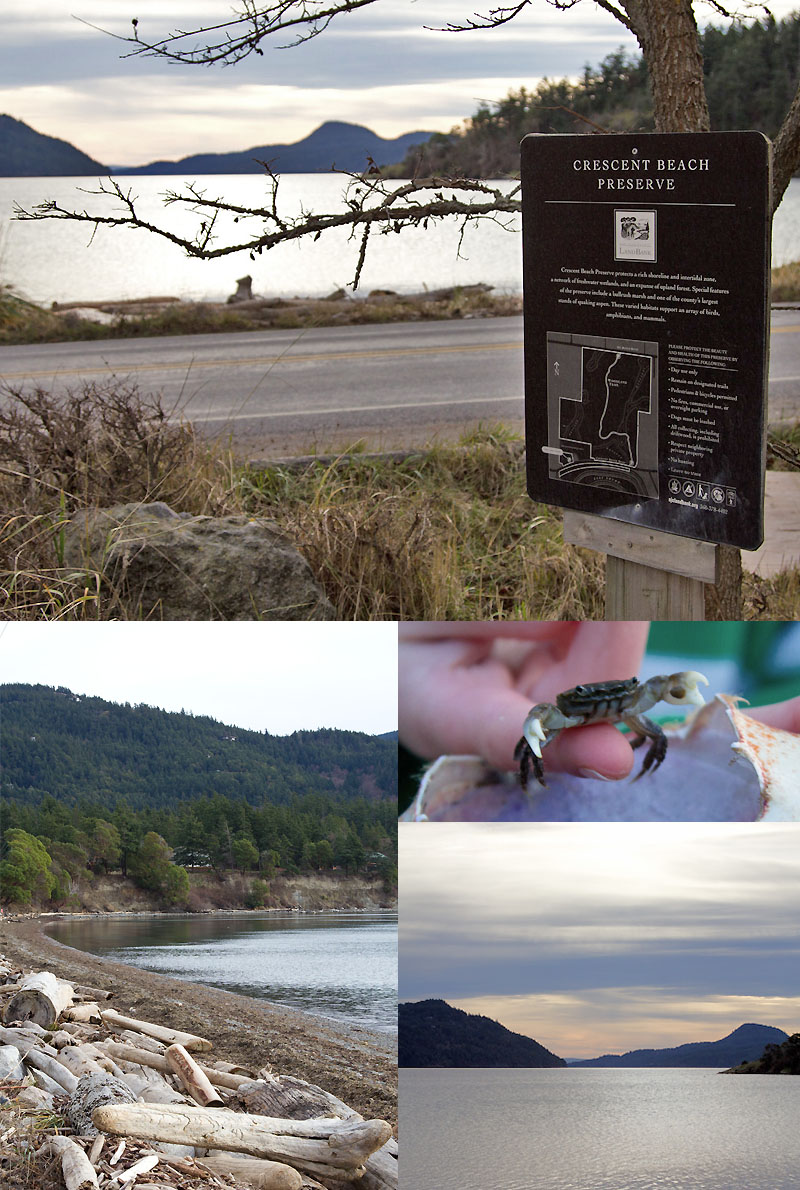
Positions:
{"x": 330, "y": 1148}
{"x": 76, "y": 1169}
{"x": 283, "y": 1095}
{"x": 129, "y": 1053}
{"x": 171, "y": 1036}
{"x": 261, "y": 1175}
{"x": 41, "y": 998}
{"x": 192, "y": 1077}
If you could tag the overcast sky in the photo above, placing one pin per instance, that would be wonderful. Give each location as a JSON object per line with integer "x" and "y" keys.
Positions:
{"x": 604, "y": 937}
{"x": 377, "y": 66}
{"x": 278, "y": 677}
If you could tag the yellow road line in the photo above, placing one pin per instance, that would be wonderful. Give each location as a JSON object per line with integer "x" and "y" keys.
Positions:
{"x": 784, "y": 330}
{"x": 263, "y": 361}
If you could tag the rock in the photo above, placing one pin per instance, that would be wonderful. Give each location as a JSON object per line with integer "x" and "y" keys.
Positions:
{"x": 173, "y": 566}
{"x": 87, "y": 314}
{"x": 11, "y": 1068}
{"x": 35, "y": 1098}
{"x": 244, "y": 291}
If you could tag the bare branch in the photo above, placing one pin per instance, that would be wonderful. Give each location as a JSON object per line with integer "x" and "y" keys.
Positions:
{"x": 370, "y": 203}
{"x": 230, "y": 41}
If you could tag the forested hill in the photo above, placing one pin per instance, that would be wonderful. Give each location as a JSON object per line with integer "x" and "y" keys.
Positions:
{"x": 433, "y": 1033}
{"x": 75, "y": 747}
{"x": 751, "y": 74}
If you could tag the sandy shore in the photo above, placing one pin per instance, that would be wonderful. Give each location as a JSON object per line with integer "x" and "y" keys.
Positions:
{"x": 354, "y": 1063}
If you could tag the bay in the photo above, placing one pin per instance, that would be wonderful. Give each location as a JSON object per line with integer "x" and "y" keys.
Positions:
{"x": 337, "y": 965}
{"x": 59, "y": 261}
{"x": 598, "y": 1129}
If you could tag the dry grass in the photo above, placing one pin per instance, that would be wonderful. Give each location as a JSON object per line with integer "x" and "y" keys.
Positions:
{"x": 786, "y": 283}
{"x": 446, "y": 534}
{"x": 23, "y": 322}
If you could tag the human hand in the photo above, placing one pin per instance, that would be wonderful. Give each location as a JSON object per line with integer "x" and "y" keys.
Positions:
{"x": 467, "y": 688}
{"x": 785, "y": 715}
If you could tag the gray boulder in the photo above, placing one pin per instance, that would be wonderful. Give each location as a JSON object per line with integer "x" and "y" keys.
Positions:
{"x": 173, "y": 566}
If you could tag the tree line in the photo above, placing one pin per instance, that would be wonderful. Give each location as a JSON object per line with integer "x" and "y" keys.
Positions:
{"x": 49, "y": 845}
{"x": 751, "y": 73}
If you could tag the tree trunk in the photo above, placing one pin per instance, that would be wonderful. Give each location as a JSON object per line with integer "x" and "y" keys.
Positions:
{"x": 91, "y": 1091}
{"x": 129, "y": 1053}
{"x": 41, "y": 998}
{"x": 667, "y": 33}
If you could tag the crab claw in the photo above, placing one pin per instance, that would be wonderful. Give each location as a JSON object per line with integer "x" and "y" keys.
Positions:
{"x": 535, "y": 734}
{"x": 682, "y": 688}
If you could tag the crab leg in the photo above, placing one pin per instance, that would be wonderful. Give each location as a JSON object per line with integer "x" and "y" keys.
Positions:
{"x": 645, "y": 728}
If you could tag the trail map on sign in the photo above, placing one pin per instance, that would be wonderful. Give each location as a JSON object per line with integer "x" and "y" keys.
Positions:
{"x": 602, "y": 413}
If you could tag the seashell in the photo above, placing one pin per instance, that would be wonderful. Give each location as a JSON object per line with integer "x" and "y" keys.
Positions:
{"x": 721, "y": 766}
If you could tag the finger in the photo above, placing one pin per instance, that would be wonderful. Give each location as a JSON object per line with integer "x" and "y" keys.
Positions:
{"x": 785, "y": 715}
{"x": 485, "y": 630}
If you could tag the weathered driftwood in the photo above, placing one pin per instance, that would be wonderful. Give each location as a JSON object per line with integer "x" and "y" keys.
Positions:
{"x": 88, "y": 1011}
{"x": 320, "y": 1146}
{"x": 252, "y": 1171}
{"x": 78, "y": 1061}
{"x": 92, "y": 1091}
{"x": 27, "y": 1037}
{"x": 75, "y": 1166}
{"x": 52, "y": 1068}
{"x": 142, "y": 1041}
{"x": 129, "y": 1053}
{"x": 192, "y": 1077}
{"x": 87, "y": 993}
{"x": 41, "y": 998}
{"x": 283, "y": 1095}
{"x": 171, "y": 1036}
{"x": 47, "y": 1084}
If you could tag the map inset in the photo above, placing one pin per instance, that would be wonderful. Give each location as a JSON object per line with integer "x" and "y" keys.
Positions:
{"x": 602, "y": 413}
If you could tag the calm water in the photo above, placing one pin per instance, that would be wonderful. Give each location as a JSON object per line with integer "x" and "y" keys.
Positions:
{"x": 598, "y": 1130}
{"x": 336, "y": 965}
{"x": 55, "y": 262}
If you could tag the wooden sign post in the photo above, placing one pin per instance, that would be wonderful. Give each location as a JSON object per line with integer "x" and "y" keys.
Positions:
{"x": 646, "y": 269}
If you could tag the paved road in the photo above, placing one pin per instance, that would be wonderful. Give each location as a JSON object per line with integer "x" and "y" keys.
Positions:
{"x": 397, "y": 385}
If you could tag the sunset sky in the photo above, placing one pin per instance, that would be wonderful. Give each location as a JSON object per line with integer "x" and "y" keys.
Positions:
{"x": 378, "y": 66}
{"x": 278, "y": 677}
{"x": 604, "y": 937}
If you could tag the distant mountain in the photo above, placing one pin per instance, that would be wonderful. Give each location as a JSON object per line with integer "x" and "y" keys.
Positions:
{"x": 742, "y": 1045}
{"x": 345, "y": 146}
{"x": 433, "y": 1033}
{"x": 25, "y": 153}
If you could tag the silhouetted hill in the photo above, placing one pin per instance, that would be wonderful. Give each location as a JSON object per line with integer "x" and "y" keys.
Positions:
{"x": 742, "y": 1045}
{"x": 776, "y": 1059}
{"x": 345, "y": 146}
{"x": 71, "y": 746}
{"x": 25, "y": 153}
{"x": 433, "y": 1033}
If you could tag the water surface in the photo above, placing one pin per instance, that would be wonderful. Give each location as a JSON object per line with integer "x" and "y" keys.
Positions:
{"x": 339, "y": 965}
{"x": 598, "y": 1129}
{"x": 57, "y": 261}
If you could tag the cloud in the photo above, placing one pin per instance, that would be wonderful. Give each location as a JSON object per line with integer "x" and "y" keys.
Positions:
{"x": 494, "y": 910}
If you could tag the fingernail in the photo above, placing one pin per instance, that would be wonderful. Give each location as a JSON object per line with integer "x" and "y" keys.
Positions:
{"x": 592, "y": 775}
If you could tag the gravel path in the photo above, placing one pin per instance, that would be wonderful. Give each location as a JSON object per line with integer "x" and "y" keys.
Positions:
{"x": 357, "y": 1065}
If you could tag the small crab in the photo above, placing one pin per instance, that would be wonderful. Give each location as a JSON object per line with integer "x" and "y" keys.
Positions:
{"x": 620, "y": 701}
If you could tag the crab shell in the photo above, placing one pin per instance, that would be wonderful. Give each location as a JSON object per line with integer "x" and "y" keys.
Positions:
{"x": 722, "y": 765}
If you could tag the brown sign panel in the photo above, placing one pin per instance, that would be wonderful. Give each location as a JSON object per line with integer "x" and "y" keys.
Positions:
{"x": 646, "y": 270}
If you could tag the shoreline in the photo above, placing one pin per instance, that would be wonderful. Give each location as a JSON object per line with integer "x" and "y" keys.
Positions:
{"x": 354, "y": 1062}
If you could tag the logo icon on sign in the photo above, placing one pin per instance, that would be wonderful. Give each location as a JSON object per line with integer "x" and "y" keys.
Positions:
{"x": 718, "y": 495}
{"x": 688, "y": 488}
{"x": 675, "y": 486}
{"x": 703, "y": 490}
{"x": 730, "y": 497}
